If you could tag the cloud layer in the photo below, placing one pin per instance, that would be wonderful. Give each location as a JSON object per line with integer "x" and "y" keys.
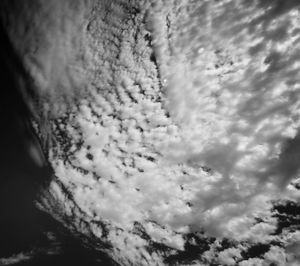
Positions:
{"x": 185, "y": 118}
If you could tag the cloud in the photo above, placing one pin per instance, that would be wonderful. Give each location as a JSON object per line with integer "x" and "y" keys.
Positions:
{"x": 16, "y": 259}
{"x": 188, "y": 122}
{"x": 233, "y": 92}
{"x": 210, "y": 151}
{"x": 275, "y": 255}
{"x": 229, "y": 256}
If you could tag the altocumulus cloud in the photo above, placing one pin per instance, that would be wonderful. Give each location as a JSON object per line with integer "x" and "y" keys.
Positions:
{"x": 233, "y": 90}
{"x": 186, "y": 119}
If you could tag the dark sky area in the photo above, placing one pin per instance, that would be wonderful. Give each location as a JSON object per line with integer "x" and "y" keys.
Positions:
{"x": 23, "y": 228}
{"x": 18, "y": 217}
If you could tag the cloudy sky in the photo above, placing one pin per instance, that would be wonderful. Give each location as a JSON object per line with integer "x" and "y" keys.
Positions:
{"x": 171, "y": 127}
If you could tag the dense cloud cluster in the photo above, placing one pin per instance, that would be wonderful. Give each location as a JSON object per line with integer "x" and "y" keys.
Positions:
{"x": 162, "y": 120}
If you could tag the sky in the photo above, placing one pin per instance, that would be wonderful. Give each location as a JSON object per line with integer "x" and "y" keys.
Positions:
{"x": 165, "y": 120}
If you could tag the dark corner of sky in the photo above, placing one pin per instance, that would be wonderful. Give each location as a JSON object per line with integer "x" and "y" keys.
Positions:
{"x": 19, "y": 173}
{"x": 23, "y": 228}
